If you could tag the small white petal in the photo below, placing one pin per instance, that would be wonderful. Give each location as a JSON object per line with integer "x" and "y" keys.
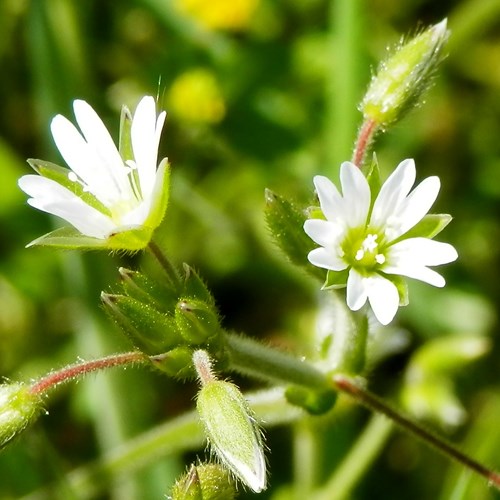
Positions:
{"x": 100, "y": 140}
{"x": 326, "y": 259}
{"x": 324, "y": 233}
{"x": 356, "y": 193}
{"x": 421, "y": 250}
{"x": 392, "y": 193}
{"x": 357, "y": 292}
{"x": 145, "y": 137}
{"x": 384, "y": 298}
{"x": 49, "y": 196}
{"x": 418, "y": 203}
{"x": 329, "y": 198}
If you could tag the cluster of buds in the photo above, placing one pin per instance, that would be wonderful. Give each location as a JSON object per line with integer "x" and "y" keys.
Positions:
{"x": 167, "y": 320}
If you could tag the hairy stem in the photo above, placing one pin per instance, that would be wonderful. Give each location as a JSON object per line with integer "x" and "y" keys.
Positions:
{"x": 352, "y": 387}
{"x": 266, "y": 363}
{"x": 72, "y": 372}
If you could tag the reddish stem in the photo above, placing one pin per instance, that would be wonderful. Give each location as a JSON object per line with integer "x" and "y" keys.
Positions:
{"x": 365, "y": 137}
{"x": 71, "y": 372}
{"x": 366, "y": 398}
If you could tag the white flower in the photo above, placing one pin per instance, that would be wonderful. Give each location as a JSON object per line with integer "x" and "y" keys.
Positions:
{"x": 365, "y": 243}
{"x": 105, "y": 193}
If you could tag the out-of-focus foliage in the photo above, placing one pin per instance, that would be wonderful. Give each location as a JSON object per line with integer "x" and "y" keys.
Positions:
{"x": 259, "y": 94}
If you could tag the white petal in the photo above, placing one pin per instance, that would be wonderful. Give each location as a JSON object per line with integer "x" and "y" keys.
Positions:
{"x": 418, "y": 203}
{"x": 49, "y": 196}
{"x": 412, "y": 256}
{"x": 422, "y": 250}
{"x": 357, "y": 292}
{"x": 83, "y": 160}
{"x": 326, "y": 259}
{"x": 145, "y": 137}
{"x": 384, "y": 298}
{"x": 329, "y": 198}
{"x": 324, "y": 233}
{"x": 392, "y": 193}
{"x": 356, "y": 193}
{"x": 99, "y": 139}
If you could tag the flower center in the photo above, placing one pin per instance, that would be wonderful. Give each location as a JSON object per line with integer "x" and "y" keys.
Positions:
{"x": 362, "y": 250}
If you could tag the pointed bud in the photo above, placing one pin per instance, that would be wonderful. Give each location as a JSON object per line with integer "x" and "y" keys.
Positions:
{"x": 176, "y": 362}
{"x": 197, "y": 321}
{"x": 141, "y": 287}
{"x": 286, "y": 224}
{"x": 204, "y": 482}
{"x": 404, "y": 76}
{"x": 148, "y": 329}
{"x": 195, "y": 287}
{"x": 18, "y": 408}
{"x": 231, "y": 428}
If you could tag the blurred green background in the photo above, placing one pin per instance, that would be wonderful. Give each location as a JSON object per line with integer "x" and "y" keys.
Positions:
{"x": 259, "y": 94}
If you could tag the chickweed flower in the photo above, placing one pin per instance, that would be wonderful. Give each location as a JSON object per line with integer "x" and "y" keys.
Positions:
{"x": 113, "y": 199}
{"x": 368, "y": 246}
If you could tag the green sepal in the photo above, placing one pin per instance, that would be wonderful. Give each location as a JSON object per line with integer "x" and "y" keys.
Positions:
{"x": 315, "y": 213}
{"x": 314, "y": 402}
{"x": 141, "y": 287}
{"x": 401, "y": 286}
{"x": 160, "y": 196}
{"x": 286, "y": 223}
{"x": 70, "y": 238}
{"x": 195, "y": 288}
{"x": 428, "y": 227}
{"x": 335, "y": 279}
{"x": 204, "y": 482}
{"x": 125, "y": 140}
{"x": 149, "y": 330}
{"x": 60, "y": 175}
{"x": 177, "y": 363}
{"x": 373, "y": 178}
{"x": 197, "y": 321}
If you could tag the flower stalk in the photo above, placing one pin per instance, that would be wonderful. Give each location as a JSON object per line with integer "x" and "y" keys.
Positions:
{"x": 352, "y": 387}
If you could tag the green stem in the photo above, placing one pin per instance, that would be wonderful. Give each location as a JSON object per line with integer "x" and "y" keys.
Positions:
{"x": 366, "y": 398}
{"x": 359, "y": 459}
{"x": 254, "y": 359}
{"x": 343, "y": 80}
{"x": 165, "y": 263}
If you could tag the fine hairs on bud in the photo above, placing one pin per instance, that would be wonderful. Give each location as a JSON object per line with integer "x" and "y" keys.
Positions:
{"x": 232, "y": 432}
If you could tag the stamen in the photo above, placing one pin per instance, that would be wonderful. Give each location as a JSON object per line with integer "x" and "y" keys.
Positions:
{"x": 379, "y": 258}
{"x": 359, "y": 254}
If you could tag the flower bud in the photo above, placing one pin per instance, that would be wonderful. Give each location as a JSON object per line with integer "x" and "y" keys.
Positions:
{"x": 176, "y": 363}
{"x": 148, "y": 329}
{"x": 141, "y": 287}
{"x": 204, "y": 482}
{"x": 286, "y": 222}
{"x": 197, "y": 321}
{"x": 18, "y": 408}
{"x": 231, "y": 428}
{"x": 404, "y": 76}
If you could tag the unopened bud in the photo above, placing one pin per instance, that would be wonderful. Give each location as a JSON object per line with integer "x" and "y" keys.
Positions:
{"x": 404, "y": 76}
{"x": 232, "y": 431}
{"x": 18, "y": 408}
{"x": 196, "y": 320}
{"x": 204, "y": 482}
{"x": 149, "y": 330}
